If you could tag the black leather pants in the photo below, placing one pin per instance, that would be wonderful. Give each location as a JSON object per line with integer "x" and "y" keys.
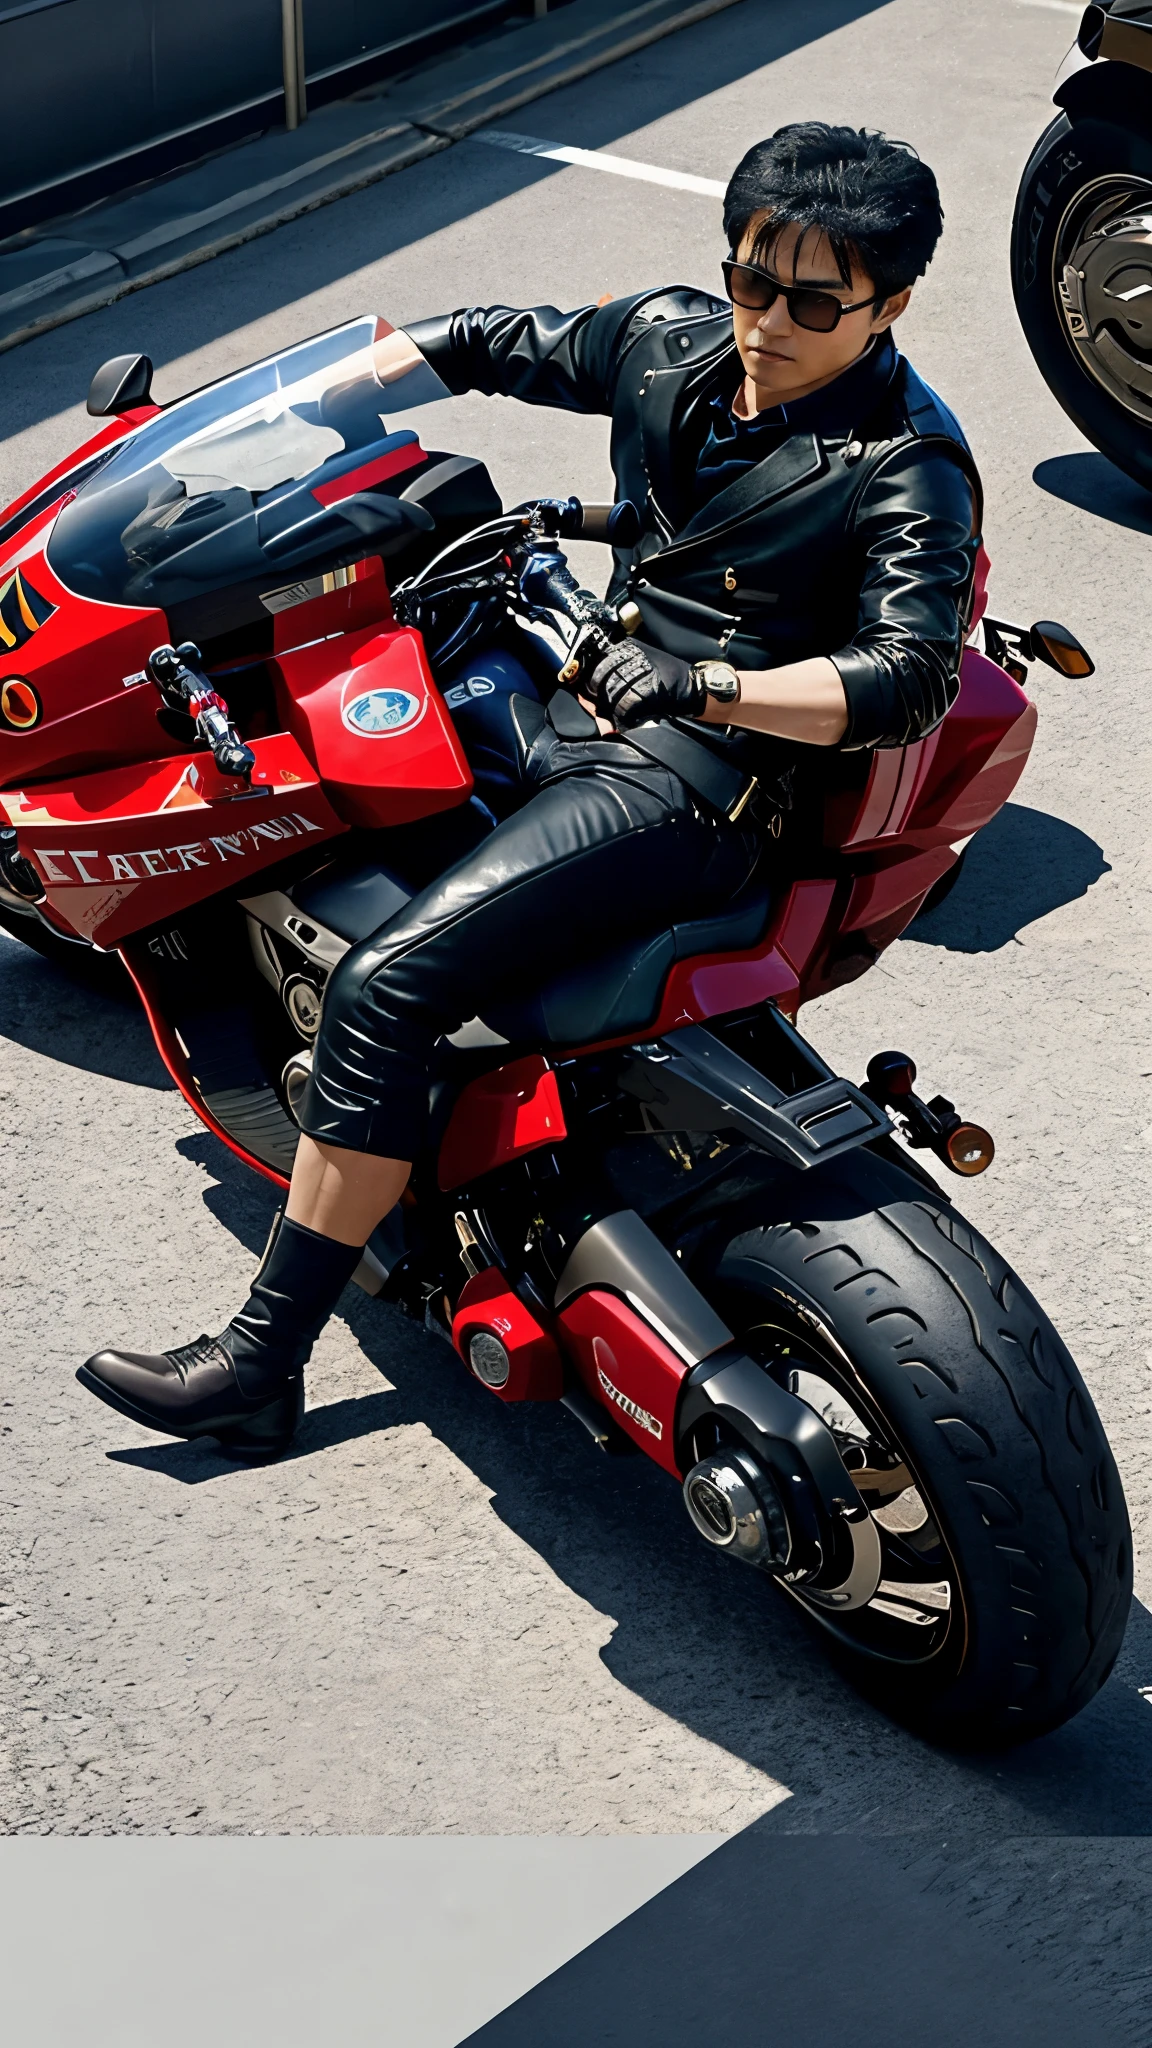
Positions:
{"x": 609, "y": 848}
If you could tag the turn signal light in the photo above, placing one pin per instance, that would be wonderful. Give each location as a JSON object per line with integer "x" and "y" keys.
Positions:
{"x": 969, "y": 1149}
{"x": 19, "y": 704}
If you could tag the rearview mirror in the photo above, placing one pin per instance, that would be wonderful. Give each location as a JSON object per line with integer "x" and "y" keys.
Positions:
{"x": 1060, "y": 649}
{"x": 120, "y": 384}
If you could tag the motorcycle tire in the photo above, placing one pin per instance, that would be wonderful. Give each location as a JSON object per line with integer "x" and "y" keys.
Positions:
{"x": 1077, "y": 171}
{"x": 1007, "y": 1563}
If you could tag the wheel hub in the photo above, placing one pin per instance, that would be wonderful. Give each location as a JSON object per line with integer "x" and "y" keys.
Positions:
{"x": 735, "y": 1507}
{"x": 1103, "y": 280}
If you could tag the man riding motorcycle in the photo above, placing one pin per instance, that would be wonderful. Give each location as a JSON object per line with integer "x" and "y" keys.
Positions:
{"x": 803, "y": 578}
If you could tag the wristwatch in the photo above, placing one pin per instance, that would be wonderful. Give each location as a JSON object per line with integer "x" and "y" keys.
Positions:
{"x": 719, "y": 679}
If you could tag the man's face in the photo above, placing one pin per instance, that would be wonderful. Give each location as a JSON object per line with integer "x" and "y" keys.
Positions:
{"x": 783, "y": 360}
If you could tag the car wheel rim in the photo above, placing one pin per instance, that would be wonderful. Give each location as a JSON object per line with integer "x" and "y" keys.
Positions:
{"x": 1102, "y": 284}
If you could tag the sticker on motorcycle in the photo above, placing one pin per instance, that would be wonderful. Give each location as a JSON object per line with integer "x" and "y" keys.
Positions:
{"x": 22, "y": 612}
{"x": 380, "y": 713}
{"x": 631, "y": 1408}
{"x": 461, "y": 693}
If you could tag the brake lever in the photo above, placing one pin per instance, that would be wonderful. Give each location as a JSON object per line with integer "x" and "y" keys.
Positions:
{"x": 184, "y": 689}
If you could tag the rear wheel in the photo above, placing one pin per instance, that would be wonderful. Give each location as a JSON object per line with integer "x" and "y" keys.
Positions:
{"x": 1006, "y": 1554}
{"x": 1082, "y": 278}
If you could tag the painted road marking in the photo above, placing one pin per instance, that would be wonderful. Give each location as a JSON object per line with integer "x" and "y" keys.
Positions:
{"x": 599, "y": 160}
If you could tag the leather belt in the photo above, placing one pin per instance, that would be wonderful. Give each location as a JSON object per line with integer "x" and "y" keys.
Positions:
{"x": 723, "y": 788}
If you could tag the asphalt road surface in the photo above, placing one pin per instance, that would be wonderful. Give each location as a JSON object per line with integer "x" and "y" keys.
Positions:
{"x": 441, "y": 1616}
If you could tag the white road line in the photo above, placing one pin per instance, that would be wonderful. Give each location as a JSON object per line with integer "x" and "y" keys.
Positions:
{"x": 598, "y": 160}
{"x": 1056, "y": 6}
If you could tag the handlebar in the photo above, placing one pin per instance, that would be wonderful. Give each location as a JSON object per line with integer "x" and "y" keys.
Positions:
{"x": 523, "y": 564}
{"x": 185, "y": 689}
{"x": 618, "y": 526}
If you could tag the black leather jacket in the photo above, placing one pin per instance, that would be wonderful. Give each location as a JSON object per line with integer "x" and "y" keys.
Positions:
{"x": 857, "y": 541}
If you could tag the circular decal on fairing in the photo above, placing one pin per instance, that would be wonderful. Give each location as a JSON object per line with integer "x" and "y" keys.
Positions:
{"x": 380, "y": 713}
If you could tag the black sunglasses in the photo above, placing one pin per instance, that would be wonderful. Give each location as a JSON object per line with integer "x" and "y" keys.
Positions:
{"x": 755, "y": 289}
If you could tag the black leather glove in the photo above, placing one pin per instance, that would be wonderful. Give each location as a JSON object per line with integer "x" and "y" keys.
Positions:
{"x": 635, "y": 682}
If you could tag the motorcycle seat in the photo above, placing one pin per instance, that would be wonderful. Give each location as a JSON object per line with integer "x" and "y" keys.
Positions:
{"x": 621, "y": 991}
{"x": 618, "y": 993}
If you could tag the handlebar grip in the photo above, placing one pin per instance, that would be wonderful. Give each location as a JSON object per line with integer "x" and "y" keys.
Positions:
{"x": 617, "y": 525}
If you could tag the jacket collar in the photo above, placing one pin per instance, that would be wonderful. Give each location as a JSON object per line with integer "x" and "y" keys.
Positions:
{"x": 667, "y": 391}
{"x": 830, "y": 414}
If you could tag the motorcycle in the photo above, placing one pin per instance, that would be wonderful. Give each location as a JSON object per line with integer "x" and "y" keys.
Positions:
{"x": 1082, "y": 237}
{"x": 648, "y": 1196}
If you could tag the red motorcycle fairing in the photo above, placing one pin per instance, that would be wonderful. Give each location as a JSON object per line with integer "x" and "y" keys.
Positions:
{"x": 530, "y": 1368}
{"x": 949, "y": 783}
{"x": 127, "y": 848}
{"x": 891, "y": 842}
{"x": 85, "y": 662}
{"x": 627, "y": 1368}
{"x": 371, "y": 719}
{"x": 499, "y": 1117}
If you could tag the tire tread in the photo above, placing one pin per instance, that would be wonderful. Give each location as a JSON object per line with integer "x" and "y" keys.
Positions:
{"x": 1021, "y": 1469}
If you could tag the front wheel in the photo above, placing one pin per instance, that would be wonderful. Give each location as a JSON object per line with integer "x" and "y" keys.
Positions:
{"x": 1006, "y": 1569}
{"x": 1082, "y": 279}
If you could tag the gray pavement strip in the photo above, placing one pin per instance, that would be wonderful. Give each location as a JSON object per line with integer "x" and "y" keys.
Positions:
{"x": 290, "y": 1942}
{"x": 39, "y": 279}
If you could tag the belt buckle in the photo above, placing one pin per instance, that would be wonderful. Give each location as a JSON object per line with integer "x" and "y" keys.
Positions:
{"x": 744, "y": 799}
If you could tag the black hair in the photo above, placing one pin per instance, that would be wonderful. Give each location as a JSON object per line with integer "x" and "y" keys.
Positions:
{"x": 871, "y": 199}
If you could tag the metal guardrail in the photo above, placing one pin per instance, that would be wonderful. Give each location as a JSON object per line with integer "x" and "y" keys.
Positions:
{"x": 102, "y": 93}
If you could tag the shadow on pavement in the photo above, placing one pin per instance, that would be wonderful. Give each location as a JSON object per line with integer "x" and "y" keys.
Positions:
{"x": 184, "y": 313}
{"x": 708, "y": 1644}
{"x": 965, "y": 1869}
{"x": 1093, "y": 484}
{"x": 341, "y": 1422}
{"x": 85, "y": 1015}
{"x": 718, "y": 1650}
{"x": 802, "y": 1942}
{"x": 1021, "y": 867}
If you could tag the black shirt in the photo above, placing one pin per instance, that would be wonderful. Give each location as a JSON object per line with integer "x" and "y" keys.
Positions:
{"x": 734, "y": 445}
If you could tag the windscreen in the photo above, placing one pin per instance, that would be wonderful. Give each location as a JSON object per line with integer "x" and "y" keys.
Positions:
{"x": 222, "y": 487}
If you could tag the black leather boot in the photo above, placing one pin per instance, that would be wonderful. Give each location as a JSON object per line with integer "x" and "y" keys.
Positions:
{"x": 246, "y": 1386}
